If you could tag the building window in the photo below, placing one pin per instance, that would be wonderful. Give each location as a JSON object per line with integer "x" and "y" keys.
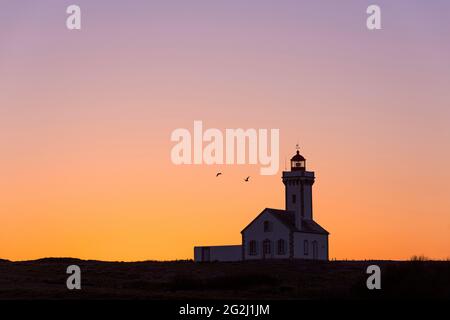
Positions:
{"x": 281, "y": 247}
{"x": 305, "y": 247}
{"x": 252, "y": 248}
{"x": 267, "y": 226}
{"x": 294, "y": 198}
{"x": 315, "y": 250}
{"x": 266, "y": 246}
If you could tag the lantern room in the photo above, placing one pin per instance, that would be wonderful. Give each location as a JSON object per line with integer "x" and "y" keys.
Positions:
{"x": 298, "y": 162}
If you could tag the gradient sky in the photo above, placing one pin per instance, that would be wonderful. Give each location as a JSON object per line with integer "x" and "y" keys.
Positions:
{"x": 86, "y": 117}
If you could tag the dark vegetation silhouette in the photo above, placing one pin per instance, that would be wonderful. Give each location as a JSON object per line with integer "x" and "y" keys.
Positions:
{"x": 270, "y": 279}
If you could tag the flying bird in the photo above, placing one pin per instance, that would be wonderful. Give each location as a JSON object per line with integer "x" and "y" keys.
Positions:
{"x": 218, "y": 174}
{"x": 246, "y": 179}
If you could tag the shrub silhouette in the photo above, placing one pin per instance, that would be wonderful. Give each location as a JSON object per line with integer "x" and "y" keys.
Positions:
{"x": 419, "y": 258}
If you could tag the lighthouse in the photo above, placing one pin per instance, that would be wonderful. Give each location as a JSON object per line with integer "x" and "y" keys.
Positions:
{"x": 298, "y": 190}
{"x": 289, "y": 233}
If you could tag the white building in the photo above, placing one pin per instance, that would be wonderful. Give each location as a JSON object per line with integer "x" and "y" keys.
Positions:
{"x": 279, "y": 234}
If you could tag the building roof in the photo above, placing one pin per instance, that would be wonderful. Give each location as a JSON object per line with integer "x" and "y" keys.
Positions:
{"x": 288, "y": 219}
{"x": 298, "y": 157}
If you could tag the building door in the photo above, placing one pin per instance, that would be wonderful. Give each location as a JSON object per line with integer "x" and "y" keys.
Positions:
{"x": 206, "y": 255}
{"x": 267, "y": 250}
{"x": 315, "y": 250}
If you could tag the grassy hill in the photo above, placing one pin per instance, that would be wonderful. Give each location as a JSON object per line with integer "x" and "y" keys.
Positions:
{"x": 46, "y": 279}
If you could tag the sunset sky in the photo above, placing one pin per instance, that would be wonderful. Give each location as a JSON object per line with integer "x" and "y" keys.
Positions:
{"x": 86, "y": 118}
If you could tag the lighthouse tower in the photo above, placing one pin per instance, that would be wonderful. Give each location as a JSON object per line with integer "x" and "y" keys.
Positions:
{"x": 298, "y": 190}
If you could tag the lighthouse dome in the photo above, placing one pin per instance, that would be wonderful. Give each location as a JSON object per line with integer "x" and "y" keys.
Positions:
{"x": 298, "y": 162}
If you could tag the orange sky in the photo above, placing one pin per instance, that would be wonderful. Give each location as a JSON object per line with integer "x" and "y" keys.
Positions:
{"x": 86, "y": 118}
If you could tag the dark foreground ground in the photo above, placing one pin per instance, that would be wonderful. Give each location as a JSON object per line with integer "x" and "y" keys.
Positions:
{"x": 46, "y": 279}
